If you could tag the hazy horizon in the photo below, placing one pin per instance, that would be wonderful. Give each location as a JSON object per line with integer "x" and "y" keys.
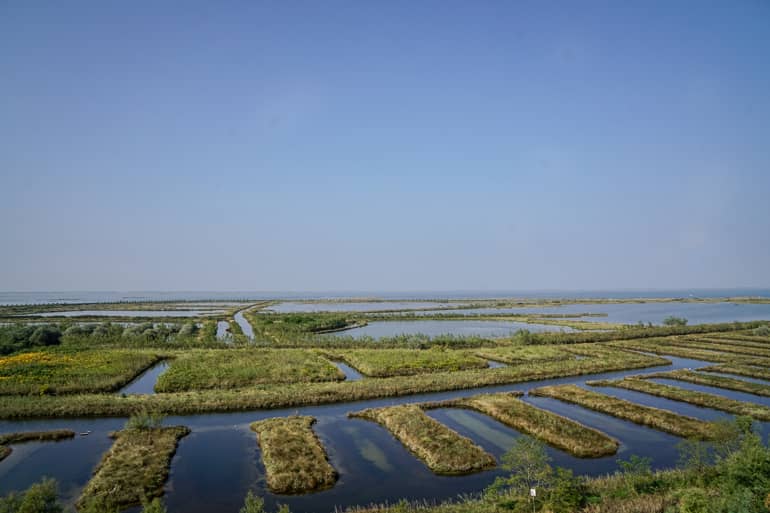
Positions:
{"x": 338, "y": 146}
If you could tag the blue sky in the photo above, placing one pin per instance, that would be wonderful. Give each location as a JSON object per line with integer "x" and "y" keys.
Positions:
{"x": 400, "y": 145}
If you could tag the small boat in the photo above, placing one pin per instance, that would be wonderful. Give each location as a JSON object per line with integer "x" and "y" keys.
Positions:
{"x": 85, "y": 433}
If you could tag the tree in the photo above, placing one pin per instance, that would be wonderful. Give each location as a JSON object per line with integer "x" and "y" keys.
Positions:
{"x": 529, "y": 465}
{"x": 674, "y": 321}
{"x": 253, "y": 504}
{"x": 38, "y": 498}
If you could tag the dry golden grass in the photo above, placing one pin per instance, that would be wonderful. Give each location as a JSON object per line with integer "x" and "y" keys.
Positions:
{"x": 443, "y": 450}
{"x": 716, "y": 402}
{"x": 134, "y": 469}
{"x": 555, "y": 430}
{"x": 657, "y": 418}
{"x": 295, "y": 460}
{"x": 35, "y": 436}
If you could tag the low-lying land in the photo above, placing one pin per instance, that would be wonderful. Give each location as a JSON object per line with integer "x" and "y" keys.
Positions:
{"x": 665, "y": 347}
{"x": 36, "y": 436}
{"x": 657, "y": 418}
{"x": 524, "y": 354}
{"x": 56, "y": 371}
{"x": 133, "y": 470}
{"x": 295, "y": 460}
{"x": 303, "y": 394}
{"x": 553, "y": 429}
{"x": 443, "y": 450}
{"x": 716, "y": 402}
{"x": 405, "y": 362}
{"x": 699, "y": 378}
{"x": 235, "y": 368}
{"x": 747, "y": 370}
{"x": 4, "y": 452}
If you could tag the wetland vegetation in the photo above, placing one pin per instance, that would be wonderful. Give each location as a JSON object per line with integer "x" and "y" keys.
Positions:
{"x": 294, "y": 459}
{"x": 442, "y": 449}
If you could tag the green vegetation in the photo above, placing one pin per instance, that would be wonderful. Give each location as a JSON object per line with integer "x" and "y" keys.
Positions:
{"x": 666, "y": 346}
{"x": 295, "y": 460}
{"x": 38, "y": 498}
{"x": 657, "y": 418}
{"x": 404, "y": 362}
{"x": 18, "y": 337}
{"x": 741, "y": 370}
{"x": 524, "y": 354}
{"x": 442, "y": 449}
{"x": 605, "y": 359}
{"x": 703, "y": 399}
{"x": 698, "y": 378}
{"x": 558, "y": 431}
{"x": 35, "y": 436}
{"x": 674, "y": 321}
{"x": 54, "y": 371}
{"x": 134, "y": 470}
{"x": 209, "y": 369}
{"x": 730, "y": 476}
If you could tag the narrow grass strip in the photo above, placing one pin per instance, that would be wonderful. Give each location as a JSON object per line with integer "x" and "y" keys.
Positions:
{"x": 735, "y": 342}
{"x": 305, "y": 394}
{"x": 4, "y": 452}
{"x": 722, "y": 346}
{"x": 443, "y": 450}
{"x": 706, "y": 400}
{"x": 698, "y": 378}
{"x": 134, "y": 469}
{"x": 295, "y": 460}
{"x": 663, "y": 420}
{"x": 683, "y": 352}
{"x": 553, "y": 429}
{"x": 35, "y": 436}
{"x": 741, "y": 370}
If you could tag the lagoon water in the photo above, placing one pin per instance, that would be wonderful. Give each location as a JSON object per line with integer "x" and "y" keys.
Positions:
{"x": 490, "y": 329}
{"x": 220, "y": 461}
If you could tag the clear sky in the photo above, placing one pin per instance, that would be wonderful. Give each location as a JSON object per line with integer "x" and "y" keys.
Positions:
{"x": 393, "y": 145}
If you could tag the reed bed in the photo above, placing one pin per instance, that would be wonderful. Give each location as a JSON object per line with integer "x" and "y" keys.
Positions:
{"x": 405, "y": 362}
{"x": 36, "y": 436}
{"x": 305, "y": 394}
{"x": 236, "y": 368}
{"x": 657, "y": 418}
{"x": 295, "y": 460}
{"x": 134, "y": 469}
{"x": 55, "y": 371}
{"x": 553, "y": 429}
{"x": 699, "y": 378}
{"x": 443, "y": 450}
{"x": 749, "y": 371}
{"x": 664, "y": 347}
{"x": 5, "y": 452}
{"x": 524, "y": 354}
{"x": 722, "y": 346}
{"x": 706, "y": 400}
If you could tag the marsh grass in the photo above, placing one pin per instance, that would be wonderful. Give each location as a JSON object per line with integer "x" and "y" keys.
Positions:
{"x": 553, "y": 429}
{"x": 295, "y": 460}
{"x": 443, "y": 450}
{"x": 665, "y": 347}
{"x": 699, "y": 378}
{"x": 36, "y": 436}
{"x": 133, "y": 470}
{"x": 5, "y": 452}
{"x": 58, "y": 371}
{"x": 525, "y": 354}
{"x": 722, "y": 346}
{"x": 747, "y": 370}
{"x": 404, "y": 362}
{"x": 706, "y": 400}
{"x": 305, "y": 394}
{"x": 657, "y": 418}
{"x": 236, "y": 368}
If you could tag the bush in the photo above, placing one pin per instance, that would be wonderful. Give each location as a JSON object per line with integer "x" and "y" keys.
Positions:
{"x": 45, "y": 336}
{"x": 145, "y": 420}
{"x": 39, "y": 498}
{"x": 674, "y": 321}
{"x": 762, "y": 331}
{"x": 253, "y": 504}
{"x": 694, "y": 500}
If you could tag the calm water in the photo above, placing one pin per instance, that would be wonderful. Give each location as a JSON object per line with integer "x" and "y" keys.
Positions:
{"x": 220, "y": 461}
{"x": 145, "y": 382}
{"x": 631, "y": 313}
{"x": 490, "y": 329}
{"x": 244, "y": 324}
{"x": 222, "y": 329}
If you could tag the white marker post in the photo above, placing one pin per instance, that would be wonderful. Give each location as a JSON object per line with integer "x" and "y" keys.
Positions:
{"x": 533, "y": 494}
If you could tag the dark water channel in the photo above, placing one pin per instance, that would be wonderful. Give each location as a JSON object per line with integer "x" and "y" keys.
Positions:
{"x": 220, "y": 461}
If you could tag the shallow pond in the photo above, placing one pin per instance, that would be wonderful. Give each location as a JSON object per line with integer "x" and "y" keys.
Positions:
{"x": 145, "y": 382}
{"x": 489, "y": 329}
{"x": 244, "y": 324}
{"x": 220, "y": 461}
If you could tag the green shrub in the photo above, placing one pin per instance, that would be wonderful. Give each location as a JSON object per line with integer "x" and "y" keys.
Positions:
{"x": 38, "y": 498}
{"x": 674, "y": 321}
{"x": 145, "y": 420}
